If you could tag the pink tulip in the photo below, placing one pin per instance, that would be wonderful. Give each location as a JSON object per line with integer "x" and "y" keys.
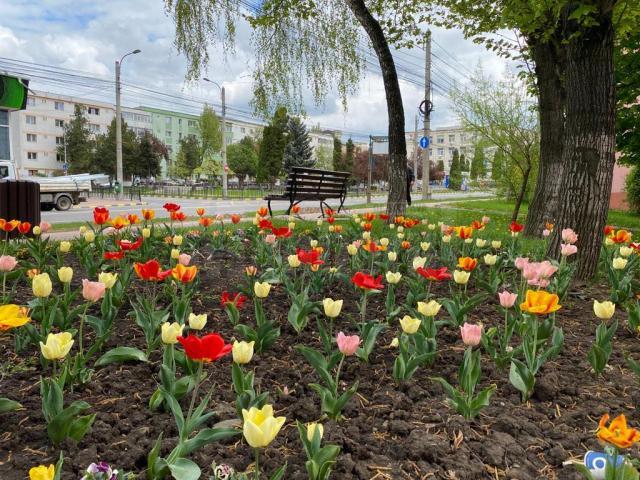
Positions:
{"x": 471, "y": 334}
{"x": 357, "y": 243}
{"x": 184, "y": 259}
{"x": 485, "y": 220}
{"x": 520, "y": 262}
{"x": 569, "y": 236}
{"x": 567, "y": 249}
{"x": 7, "y": 263}
{"x": 444, "y": 228}
{"x": 507, "y": 299}
{"x": 45, "y": 227}
{"x": 546, "y": 232}
{"x": 347, "y": 344}
{"x": 539, "y": 273}
{"x": 92, "y": 291}
{"x": 270, "y": 239}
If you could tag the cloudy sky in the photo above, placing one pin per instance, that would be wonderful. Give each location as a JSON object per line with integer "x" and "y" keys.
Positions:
{"x": 83, "y": 36}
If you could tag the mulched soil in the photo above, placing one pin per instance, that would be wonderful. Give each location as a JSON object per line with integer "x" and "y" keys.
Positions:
{"x": 390, "y": 432}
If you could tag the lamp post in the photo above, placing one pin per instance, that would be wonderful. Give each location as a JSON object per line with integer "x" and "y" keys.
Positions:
{"x": 119, "y": 173}
{"x": 225, "y": 184}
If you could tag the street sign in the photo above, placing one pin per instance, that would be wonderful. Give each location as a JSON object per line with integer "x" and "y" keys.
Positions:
{"x": 424, "y": 142}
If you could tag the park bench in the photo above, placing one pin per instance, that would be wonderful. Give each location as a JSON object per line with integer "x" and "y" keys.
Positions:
{"x": 311, "y": 184}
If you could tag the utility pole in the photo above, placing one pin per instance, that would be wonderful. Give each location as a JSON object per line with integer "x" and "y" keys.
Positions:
{"x": 428, "y": 106}
{"x": 370, "y": 163}
{"x": 225, "y": 183}
{"x": 415, "y": 153}
{"x": 64, "y": 139}
{"x": 119, "y": 172}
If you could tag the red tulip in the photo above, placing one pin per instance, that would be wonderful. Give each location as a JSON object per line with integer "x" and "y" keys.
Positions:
{"x": 369, "y": 216}
{"x": 205, "y": 221}
{"x": 113, "y": 255}
{"x": 133, "y": 218}
{"x": 515, "y": 227}
{"x": 434, "y": 274}
{"x": 237, "y": 299}
{"x": 608, "y": 230}
{"x": 24, "y": 228}
{"x": 200, "y": 211}
{"x": 383, "y": 216}
{"x": 171, "y": 207}
{"x": 367, "y": 282}
{"x": 295, "y": 209}
{"x": 311, "y": 257}
{"x": 177, "y": 216}
{"x": 263, "y": 211}
{"x": 331, "y": 220}
{"x": 283, "y": 232}
{"x": 235, "y": 218}
{"x": 183, "y": 273}
{"x": 366, "y": 226}
{"x": 100, "y": 215}
{"x": 206, "y": 349}
{"x": 151, "y": 271}
{"x": 127, "y": 245}
{"x": 264, "y": 224}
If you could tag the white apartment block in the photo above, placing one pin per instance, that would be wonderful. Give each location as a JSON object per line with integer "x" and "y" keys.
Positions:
{"x": 442, "y": 143}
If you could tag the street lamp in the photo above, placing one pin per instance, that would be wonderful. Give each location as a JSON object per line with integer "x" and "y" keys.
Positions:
{"x": 119, "y": 173}
{"x": 225, "y": 184}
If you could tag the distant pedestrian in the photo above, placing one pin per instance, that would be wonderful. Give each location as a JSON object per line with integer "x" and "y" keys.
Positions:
{"x": 410, "y": 179}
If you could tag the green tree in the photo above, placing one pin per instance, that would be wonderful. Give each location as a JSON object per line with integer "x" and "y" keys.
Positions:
{"x": 151, "y": 151}
{"x": 188, "y": 158}
{"x": 210, "y": 130}
{"x": 298, "y": 152}
{"x": 272, "y": 147}
{"x": 464, "y": 165}
{"x": 455, "y": 172}
{"x": 627, "y": 62}
{"x": 497, "y": 165}
{"x": 633, "y": 188}
{"x": 79, "y": 144}
{"x": 338, "y": 159}
{"x": 349, "y": 155}
{"x": 477, "y": 164}
{"x": 243, "y": 159}
{"x": 440, "y": 166}
{"x": 324, "y": 157}
{"x": 104, "y": 157}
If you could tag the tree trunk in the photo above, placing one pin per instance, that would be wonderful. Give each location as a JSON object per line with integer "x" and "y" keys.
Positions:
{"x": 589, "y": 145}
{"x": 520, "y": 197}
{"x": 396, "y": 202}
{"x": 549, "y": 69}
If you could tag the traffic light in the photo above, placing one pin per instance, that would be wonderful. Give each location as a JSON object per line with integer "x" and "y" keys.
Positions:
{"x": 13, "y": 93}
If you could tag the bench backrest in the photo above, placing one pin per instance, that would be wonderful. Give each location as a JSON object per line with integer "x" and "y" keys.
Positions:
{"x": 312, "y": 181}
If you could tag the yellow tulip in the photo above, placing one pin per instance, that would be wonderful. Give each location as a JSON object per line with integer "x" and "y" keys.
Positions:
{"x": 400, "y": 235}
{"x": 12, "y": 316}
{"x": 540, "y": 302}
{"x": 170, "y": 332}
{"x": 146, "y": 232}
{"x": 352, "y": 249}
{"x": 313, "y": 243}
{"x": 480, "y": 243}
{"x": 37, "y": 230}
{"x": 82, "y": 230}
{"x": 384, "y": 242}
{"x": 430, "y": 309}
{"x": 604, "y": 310}
{"x": 619, "y": 263}
{"x": 260, "y": 426}
{"x": 89, "y": 236}
{"x": 42, "y": 473}
{"x": 409, "y": 324}
{"x": 332, "y": 307}
{"x": 177, "y": 240}
{"x": 392, "y": 256}
{"x": 424, "y": 246}
{"x": 57, "y": 347}
{"x": 292, "y": 225}
{"x": 393, "y": 277}
{"x": 400, "y": 229}
{"x": 626, "y": 251}
{"x": 419, "y": 262}
{"x": 446, "y": 239}
{"x": 242, "y": 352}
{"x": 41, "y": 285}
{"x": 366, "y": 235}
{"x": 468, "y": 240}
{"x": 496, "y": 244}
{"x": 319, "y": 222}
{"x": 109, "y": 279}
{"x": 175, "y": 253}
{"x": 312, "y": 428}
{"x": 431, "y": 226}
{"x": 608, "y": 242}
{"x": 197, "y": 322}
{"x": 261, "y": 289}
{"x": 315, "y": 268}
{"x": 65, "y": 246}
{"x": 490, "y": 259}
{"x": 461, "y": 277}
{"x": 294, "y": 261}
{"x": 65, "y": 274}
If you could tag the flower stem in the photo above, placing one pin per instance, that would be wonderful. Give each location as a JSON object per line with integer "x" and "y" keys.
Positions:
{"x": 195, "y": 393}
{"x": 257, "y": 469}
{"x": 338, "y": 374}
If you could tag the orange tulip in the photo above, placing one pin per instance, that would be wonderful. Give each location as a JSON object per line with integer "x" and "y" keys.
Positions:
{"x": 373, "y": 247}
{"x": 263, "y": 211}
{"x": 148, "y": 214}
{"x": 119, "y": 222}
{"x": 477, "y": 225}
{"x": 32, "y": 273}
{"x": 200, "y": 211}
{"x": 133, "y": 218}
{"x": 540, "y": 302}
{"x": 251, "y": 271}
{"x": 549, "y": 226}
{"x": 366, "y": 226}
{"x": 337, "y": 228}
{"x": 405, "y": 245}
{"x": 464, "y": 232}
{"x": 295, "y": 209}
{"x": 235, "y": 218}
{"x": 621, "y": 236}
{"x": 177, "y": 216}
{"x": 399, "y": 220}
{"x": 205, "y": 221}
{"x": 467, "y": 263}
{"x": 411, "y": 222}
{"x": 10, "y": 226}
{"x": 617, "y": 433}
{"x": 184, "y": 273}
{"x": 369, "y": 217}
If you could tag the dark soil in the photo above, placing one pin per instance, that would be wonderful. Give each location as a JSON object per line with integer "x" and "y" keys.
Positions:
{"x": 389, "y": 432}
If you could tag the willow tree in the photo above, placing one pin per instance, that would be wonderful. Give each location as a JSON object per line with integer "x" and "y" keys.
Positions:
{"x": 301, "y": 47}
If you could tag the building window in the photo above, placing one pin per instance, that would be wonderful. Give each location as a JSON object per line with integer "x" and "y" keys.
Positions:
{"x": 60, "y": 123}
{"x": 59, "y": 140}
{"x": 167, "y": 120}
{"x": 452, "y": 138}
{"x": 192, "y": 123}
{"x": 32, "y": 155}
{"x": 94, "y": 128}
{"x": 32, "y": 137}
{"x": 440, "y": 152}
{"x": 463, "y": 137}
{"x": 242, "y": 129}
{"x": 451, "y": 150}
{"x": 59, "y": 157}
{"x": 179, "y": 136}
{"x": 440, "y": 139}
{"x": 31, "y": 101}
{"x": 94, "y": 111}
{"x": 180, "y": 121}
{"x": 59, "y": 106}
{"x": 169, "y": 133}
{"x": 252, "y": 131}
{"x": 229, "y": 128}
{"x": 169, "y": 149}
{"x": 31, "y": 119}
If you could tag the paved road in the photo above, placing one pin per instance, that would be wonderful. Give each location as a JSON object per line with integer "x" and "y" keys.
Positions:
{"x": 83, "y": 212}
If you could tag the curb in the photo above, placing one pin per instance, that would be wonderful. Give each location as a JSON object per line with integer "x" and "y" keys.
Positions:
{"x": 132, "y": 204}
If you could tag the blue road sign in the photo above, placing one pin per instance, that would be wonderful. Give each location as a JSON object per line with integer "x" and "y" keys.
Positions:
{"x": 424, "y": 142}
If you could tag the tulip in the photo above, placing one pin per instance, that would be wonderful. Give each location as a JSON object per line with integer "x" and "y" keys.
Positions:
{"x": 12, "y": 316}
{"x": 294, "y": 261}
{"x": 520, "y": 262}
{"x": 65, "y": 274}
{"x": 434, "y": 274}
{"x": 471, "y": 334}
{"x": 619, "y": 263}
{"x": 617, "y": 433}
{"x": 546, "y": 232}
{"x": 37, "y": 230}
{"x": 89, "y": 236}
{"x": 197, "y": 322}
{"x": 64, "y": 246}
{"x": 150, "y": 271}
{"x": 480, "y": 243}
{"x": 347, "y": 344}
{"x": 206, "y": 349}
{"x": 540, "y": 302}
{"x": 604, "y": 310}
{"x": 313, "y": 243}
{"x": 352, "y": 249}
{"x": 175, "y": 253}
{"x": 490, "y": 259}
{"x": 261, "y": 289}
{"x": 485, "y": 220}
{"x": 7, "y": 263}
{"x": 57, "y": 346}
{"x": 170, "y": 332}
{"x": 177, "y": 240}
{"x": 32, "y": 272}
{"x": 367, "y": 282}
{"x": 41, "y": 285}
{"x": 400, "y": 236}
{"x": 333, "y": 270}
{"x": 496, "y": 244}
{"x": 608, "y": 242}
{"x": 507, "y": 299}
{"x": 568, "y": 249}
{"x": 394, "y": 343}
{"x": 319, "y": 222}
{"x": 569, "y": 236}
{"x": 146, "y": 232}
{"x": 332, "y": 307}
{"x": 467, "y": 263}
{"x": 109, "y": 279}
{"x": 251, "y": 271}
{"x": 446, "y": 239}
{"x": 184, "y": 274}
{"x": 242, "y": 352}
{"x": 392, "y": 256}
{"x": 409, "y": 324}
{"x": 312, "y": 428}
{"x": 92, "y": 291}
{"x": 461, "y": 277}
{"x": 393, "y": 278}
{"x": 366, "y": 235}
{"x": 82, "y": 230}
{"x": 429, "y": 309}
{"x": 260, "y": 427}
{"x": 42, "y": 473}
{"x": 626, "y": 251}
{"x": 419, "y": 262}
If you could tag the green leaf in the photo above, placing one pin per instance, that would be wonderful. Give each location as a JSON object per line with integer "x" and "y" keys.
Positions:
{"x": 183, "y": 469}
{"x": 81, "y": 426}
{"x": 121, "y": 355}
{"x": 59, "y": 427}
{"x": 7, "y": 405}
{"x": 207, "y": 436}
{"x": 279, "y": 474}
{"x": 152, "y": 457}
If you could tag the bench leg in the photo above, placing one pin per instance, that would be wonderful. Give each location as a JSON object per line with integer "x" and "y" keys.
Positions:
{"x": 342, "y": 199}
{"x": 269, "y": 207}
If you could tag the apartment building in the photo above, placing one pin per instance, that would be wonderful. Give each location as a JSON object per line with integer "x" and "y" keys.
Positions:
{"x": 443, "y": 141}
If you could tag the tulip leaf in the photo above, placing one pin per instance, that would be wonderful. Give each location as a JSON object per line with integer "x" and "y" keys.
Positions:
{"x": 80, "y": 426}
{"x": 121, "y": 355}
{"x": 7, "y": 405}
{"x": 184, "y": 469}
{"x": 207, "y": 436}
{"x": 279, "y": 474}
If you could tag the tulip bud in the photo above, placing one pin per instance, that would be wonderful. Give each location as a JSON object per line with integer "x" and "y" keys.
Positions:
{"x": 177, "y": 240}
{"x": 352, "y": 249}
{"x": 395, "y": 342}
{"x": 109, "y": 279}
{"x": 332, "y": 307}
{"x": 409, "y": 324}
{"x": 312, "y": 428}
{"x": 480, "y": 243}
{"x": 262, "y": 289}
{"x": 294, "y": 261}
{"x": 625, "y": 251}
{"x": 41, "y": 285}
{"x": 175, "y": 253}
{"x": 393, "y": 278}
{"x": 65, "y": 246}
{"x": 424, "y": 246}
{"x": 400, "y": 229}
{"x": 197, "y": 322}
{"x": 392, "y": 256}
{"x": 82, "y": 230}
{"x": 490, "y": 259}
{"x": 146, "y": 232}
{"x": 384, "y": 241}
{"x": 392, "y": 226}
{"x": 313, "y": 243}
{"x": 170, "y": 332}
{"x": 400, "y": 236}
{"x": 333, "y": 270}
{"x": 65, "y": 274}
{"x": 291, "y": 225}
{"x": 251, "y": 271}
{"x": 89, "y": 236}
{"x": 604, "y": 310}
{"x": 619, "y": 263}
{"x": 429, "y": 309}
{"x": 37, "y": 230}
{"x": 446, "y": 239}
{"x": 419, "y": 262}
{"x": 431, "y": 226}
{"x": 242, "y": 352}
{"x": 319, "y": 223}
{"x": 496, "y": 244}
{"x": 608, "y": 242}
{"x": 315, "y": 268}
{"x": 332, "y": 228}
{"x": 366, "y": 235}
{"x": 461, "y": 277}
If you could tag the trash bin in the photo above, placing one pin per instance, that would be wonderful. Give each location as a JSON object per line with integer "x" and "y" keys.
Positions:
{"x": 20, "y": 200}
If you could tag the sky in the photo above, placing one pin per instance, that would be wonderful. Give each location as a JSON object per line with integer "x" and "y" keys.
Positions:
{"x": 86, "y": 36}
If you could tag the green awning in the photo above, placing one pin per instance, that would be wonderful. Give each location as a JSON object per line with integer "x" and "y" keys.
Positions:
{"x": 13, "y": 93}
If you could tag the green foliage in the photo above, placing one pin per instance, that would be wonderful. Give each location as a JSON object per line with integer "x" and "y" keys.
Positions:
{"x": 349, "y": 155}
{"x": 320, "y": 459}
{"x": 477, "y": 164}
{"x": 242, "y": 159}
{"x": 440, "y": 166}
{"x": 151, "y": 151}
{"x": 324, "y": 157}
{"x": 272, "y": 147}
{"x": 455, "y": 172}
{"x": 627, "y": 67}
{"x": 188, "y": 158}
{"x": 633, "y": 189}
{"x": 464, "y": 164}
{"x": 210, "y": 130}
{"x": 338, "y": 161}
{"x": 79, "y": 143}
{"x": 104, "y": 158}
{"x": 298, "y": 152}
{"x": 497, "y": 164}
{"x": 63, "y": 423}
